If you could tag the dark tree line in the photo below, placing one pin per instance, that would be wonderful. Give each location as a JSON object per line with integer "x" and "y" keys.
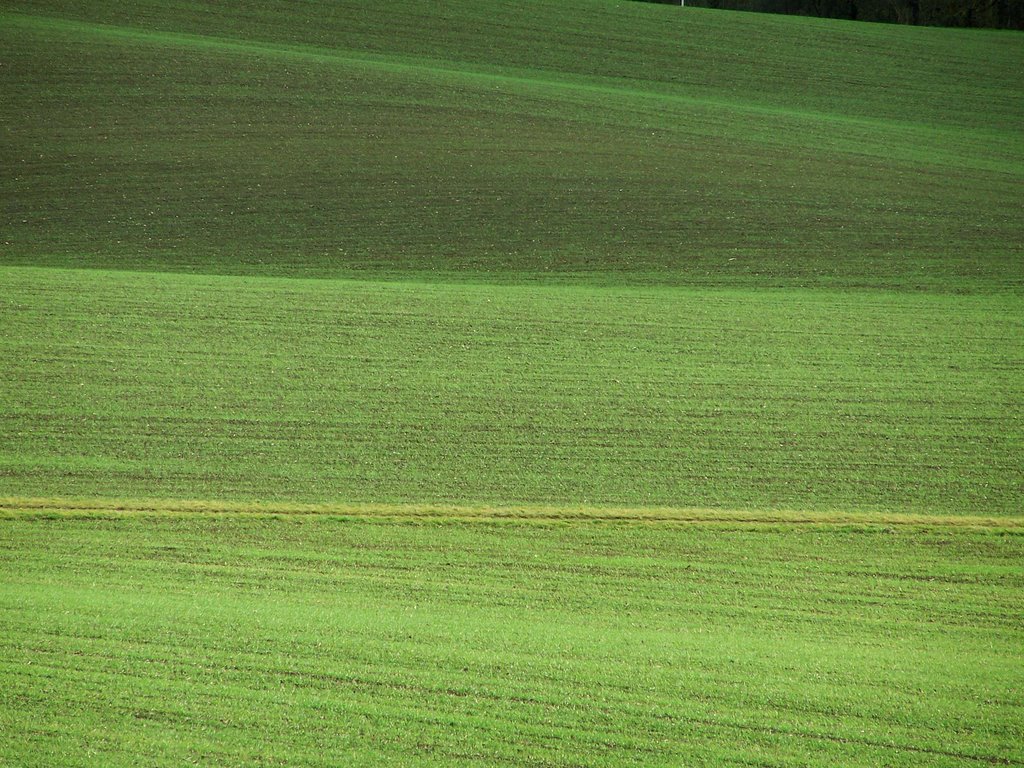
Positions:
{"x": 1002, "y": 14}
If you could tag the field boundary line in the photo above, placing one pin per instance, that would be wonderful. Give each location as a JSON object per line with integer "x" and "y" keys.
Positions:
{"x": 15, "y": 508}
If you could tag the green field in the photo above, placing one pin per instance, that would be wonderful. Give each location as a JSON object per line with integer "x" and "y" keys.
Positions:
{"x": 322, "y": 640}
{"x": 585, "y": 383}
{"x": 584, "y": 141}
{"x": 142, "y": 385}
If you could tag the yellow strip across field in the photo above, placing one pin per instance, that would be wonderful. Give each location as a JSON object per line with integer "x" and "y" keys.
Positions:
{"x": 14, "y": 507}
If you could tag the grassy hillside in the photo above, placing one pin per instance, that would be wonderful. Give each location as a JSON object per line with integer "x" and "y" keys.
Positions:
{"x": 215, "y": 387}
{"x": 628, "y": 211}
{"x": 818, "y": 65}
{"x": 583, "y": 141}
{"x": 576, "y": 383}
{"x": 310, "y": 642}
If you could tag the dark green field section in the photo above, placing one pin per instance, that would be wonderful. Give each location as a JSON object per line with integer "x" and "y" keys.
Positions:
{"x": 161, "y": 386}
{"x": 575, "y": 142}
{"x": 313, "y": 642}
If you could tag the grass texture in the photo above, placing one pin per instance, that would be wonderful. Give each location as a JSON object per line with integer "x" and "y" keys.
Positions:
{"x": 143, "y": 385}
{"x": 22, "y": 508}
{"x": 578, "y": 383}
{"x": 584, "y": 141}
{"x": 310, "y": 641}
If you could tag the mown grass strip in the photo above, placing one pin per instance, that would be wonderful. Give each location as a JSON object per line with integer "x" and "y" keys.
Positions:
{"x": 27, "y": 508}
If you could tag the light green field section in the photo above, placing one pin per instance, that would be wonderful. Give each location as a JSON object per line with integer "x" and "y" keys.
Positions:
{"x": 313, "y": 642}
{"x": 162, "y": 386}
{"x": 573, "y": 142}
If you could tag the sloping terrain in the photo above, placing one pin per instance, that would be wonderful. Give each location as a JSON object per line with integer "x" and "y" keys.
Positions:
{"x": 185, "y": 386}
{"x": 577, "y": 383}
{"x": 313, "y": 641}
{"x": 591, "y": 141}
{"x": 491, "y": 144}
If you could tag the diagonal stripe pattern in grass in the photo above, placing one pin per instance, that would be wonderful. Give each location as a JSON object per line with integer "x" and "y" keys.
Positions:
{"x": 265, "y": 149}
